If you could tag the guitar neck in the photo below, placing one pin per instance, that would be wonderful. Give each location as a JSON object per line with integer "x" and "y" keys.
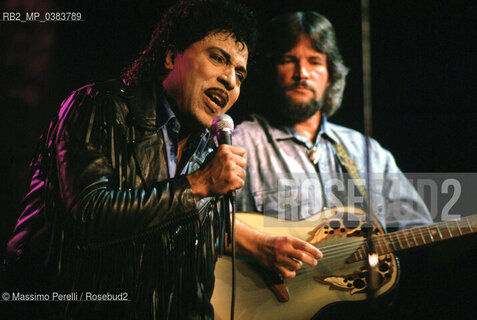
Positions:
{"x": 410, "y": 238}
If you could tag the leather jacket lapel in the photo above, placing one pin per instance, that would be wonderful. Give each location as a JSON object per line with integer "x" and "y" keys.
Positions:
{"x": 147, "y": 142}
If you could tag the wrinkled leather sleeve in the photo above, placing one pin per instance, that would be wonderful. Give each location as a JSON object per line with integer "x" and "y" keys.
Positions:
{"x": 94, "y": 165}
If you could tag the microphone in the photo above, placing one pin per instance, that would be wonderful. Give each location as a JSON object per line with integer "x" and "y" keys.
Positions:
{"x": 222, "y": 127}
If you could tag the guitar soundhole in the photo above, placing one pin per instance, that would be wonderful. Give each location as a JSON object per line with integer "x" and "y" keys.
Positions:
{"x": 351, "y": 221}
{"x": 357, "y": 282}
{"x": 335, "y": 224}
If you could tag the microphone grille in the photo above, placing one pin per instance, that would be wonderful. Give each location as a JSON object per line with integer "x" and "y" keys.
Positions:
{"x": 221, "y": 122}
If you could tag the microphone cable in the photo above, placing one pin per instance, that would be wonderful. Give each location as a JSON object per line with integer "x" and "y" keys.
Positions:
{"x": 232, "y": 232}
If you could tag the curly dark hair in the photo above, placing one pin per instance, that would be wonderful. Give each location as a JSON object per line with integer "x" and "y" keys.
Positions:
{"x": 187, "y": 22}
{"x": 282, "y": 34}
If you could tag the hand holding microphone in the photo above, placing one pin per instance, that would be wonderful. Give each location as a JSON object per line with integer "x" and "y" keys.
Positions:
{"x": 224, "y": 171}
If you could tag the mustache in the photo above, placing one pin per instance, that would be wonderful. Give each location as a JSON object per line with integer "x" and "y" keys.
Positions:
{"x": 302, "y": 83}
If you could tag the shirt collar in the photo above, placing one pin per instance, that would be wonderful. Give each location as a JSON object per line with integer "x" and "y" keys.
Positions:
{"x": 167, "y": 117}
{"x": 325, "y": 129}
{"x": 287, "y": 132}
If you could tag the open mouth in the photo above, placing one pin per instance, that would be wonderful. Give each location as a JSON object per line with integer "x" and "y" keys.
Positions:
{"x": 218, "y": 96}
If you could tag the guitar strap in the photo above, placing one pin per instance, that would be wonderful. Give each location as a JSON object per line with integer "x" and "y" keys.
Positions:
{"x": 352, "y": 169}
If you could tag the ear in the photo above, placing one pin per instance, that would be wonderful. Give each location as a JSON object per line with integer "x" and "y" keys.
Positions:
{"x": 171, "y": 54}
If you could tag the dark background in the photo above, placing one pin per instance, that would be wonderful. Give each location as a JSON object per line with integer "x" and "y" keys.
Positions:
{"x": 423, "y": 73}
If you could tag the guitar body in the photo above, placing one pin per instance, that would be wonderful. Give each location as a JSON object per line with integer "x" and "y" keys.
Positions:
{"x": 340, "y": 275}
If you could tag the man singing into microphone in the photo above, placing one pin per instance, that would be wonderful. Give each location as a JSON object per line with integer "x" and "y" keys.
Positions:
{"x": 126, "y": 192}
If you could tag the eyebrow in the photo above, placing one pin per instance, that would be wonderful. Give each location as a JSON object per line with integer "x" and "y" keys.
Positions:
{"x": 313, "y": 56}
{"x": 228, "y": 58}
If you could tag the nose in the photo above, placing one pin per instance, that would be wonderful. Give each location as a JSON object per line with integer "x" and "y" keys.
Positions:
{"x": 228, "y": 78}
{"x": 301, "y": 71}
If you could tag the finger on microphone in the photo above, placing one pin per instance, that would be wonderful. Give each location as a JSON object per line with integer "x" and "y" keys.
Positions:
{"x": 240, "y": 161}
{"x": 238, "y": 150}
{"x": 242, "y": 174}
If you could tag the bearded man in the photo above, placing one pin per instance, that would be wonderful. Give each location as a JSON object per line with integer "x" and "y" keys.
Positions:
{"x": 299, "y": 163}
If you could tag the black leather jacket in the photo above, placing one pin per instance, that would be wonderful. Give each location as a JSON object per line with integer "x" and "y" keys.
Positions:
{"x": 102, "y": 216}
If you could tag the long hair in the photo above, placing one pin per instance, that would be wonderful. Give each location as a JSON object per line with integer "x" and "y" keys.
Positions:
{"x": 283, "y": 33}
{"x": 187, "y": 22}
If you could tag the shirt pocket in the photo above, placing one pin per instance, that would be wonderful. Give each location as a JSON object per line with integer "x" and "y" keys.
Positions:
{"x": 292, "y": 203}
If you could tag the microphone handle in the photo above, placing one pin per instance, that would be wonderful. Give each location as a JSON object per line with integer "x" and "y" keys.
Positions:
{"x": 224, "y": 136}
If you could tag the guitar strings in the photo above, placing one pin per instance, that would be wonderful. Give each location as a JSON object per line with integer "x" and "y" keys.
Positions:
{"x": 338, "y": 247}
{"x": 333, "y": 265}
{"x": 392, "y": 240}
{"x": 334, "y": 252}
{"x": 330, "y": 262}
{"x": 333, "y": 255}
{"x": 396, "y": 237}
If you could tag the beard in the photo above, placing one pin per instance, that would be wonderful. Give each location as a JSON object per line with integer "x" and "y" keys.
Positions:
{"x": 300, "y": 111}
{"x": 292, "y": 111}
{"x": 281, "y": 109}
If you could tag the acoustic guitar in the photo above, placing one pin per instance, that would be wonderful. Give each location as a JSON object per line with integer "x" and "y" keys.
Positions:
{"x": 340, "y": 233}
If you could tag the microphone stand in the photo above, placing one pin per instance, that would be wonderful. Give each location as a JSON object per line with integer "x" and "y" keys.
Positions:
{"x": 229, "y": 210}
{"x": 232, "y": 233}
{"x": 373, "y": 259}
